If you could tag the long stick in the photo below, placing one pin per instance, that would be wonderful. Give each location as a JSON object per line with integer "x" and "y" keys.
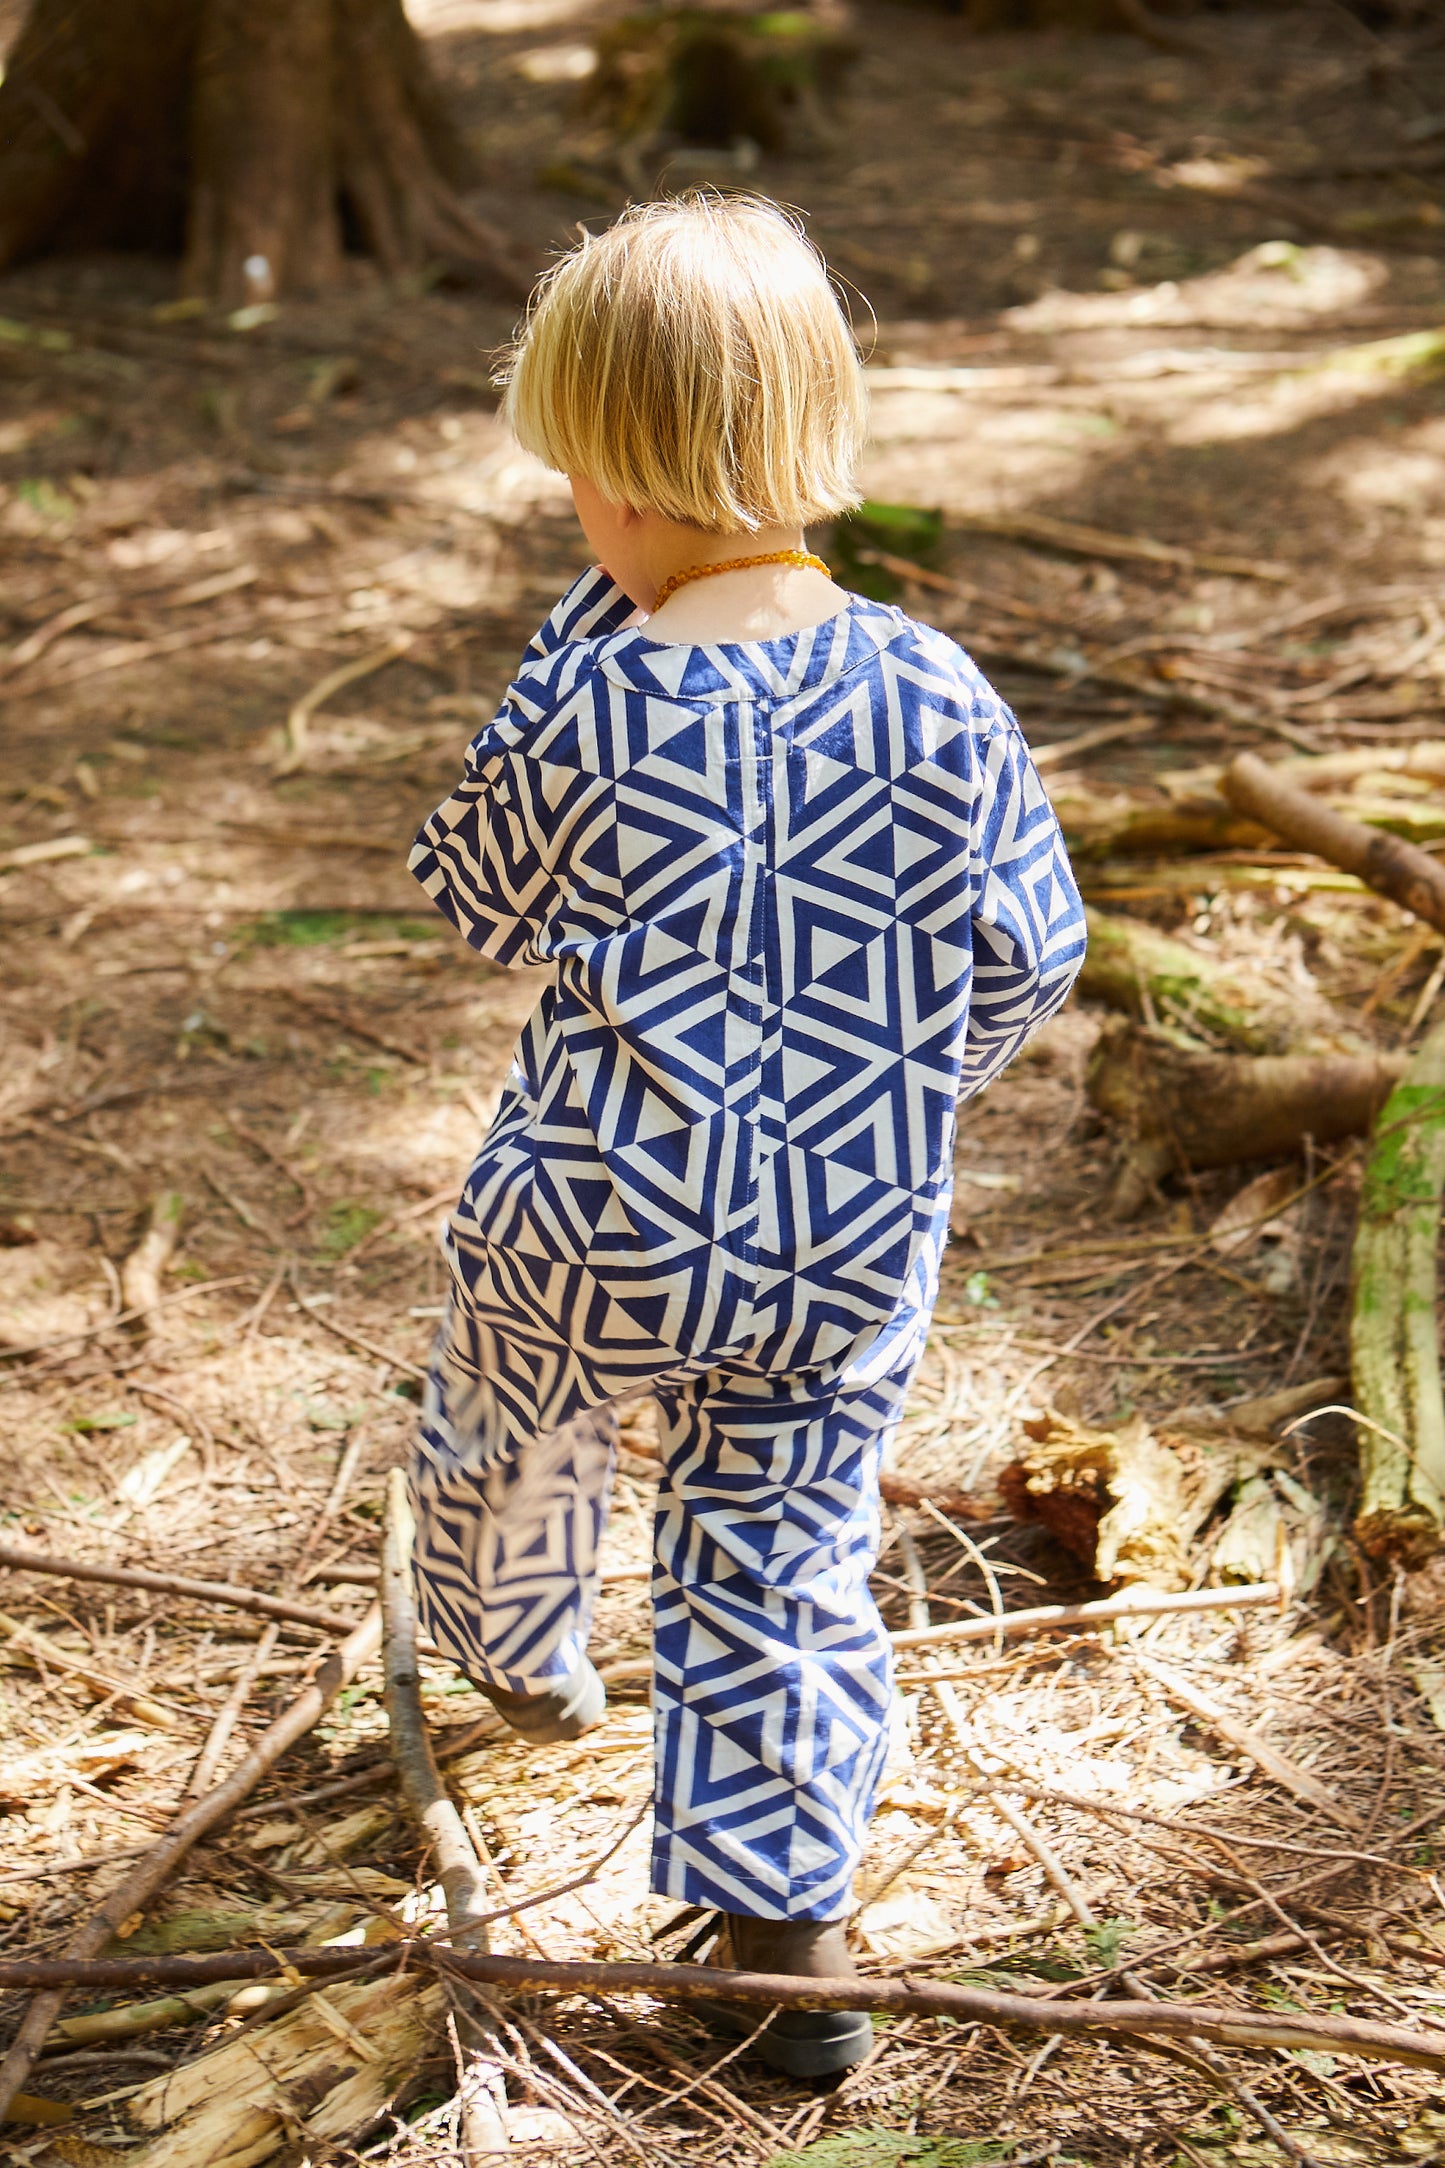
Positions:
{"x": 1391, "y": 866}
{"x": 459, "y": 1870}
{"x": 908, "y": 1997}
{"x": 482, "y": 2091}
{"x": 1141, "y": 1603}
{"x": 21, "y": 1559}
{"x": 151, "y": 1871}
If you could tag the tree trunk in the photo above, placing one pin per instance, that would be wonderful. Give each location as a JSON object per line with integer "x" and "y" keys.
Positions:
{"x": 264, "y": 217}
{"x": 254, "y": 130}
{"x": 1394, "y": 1325}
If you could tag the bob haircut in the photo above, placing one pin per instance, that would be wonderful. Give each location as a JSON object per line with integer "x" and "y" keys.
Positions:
{"x": 694, "y": 360}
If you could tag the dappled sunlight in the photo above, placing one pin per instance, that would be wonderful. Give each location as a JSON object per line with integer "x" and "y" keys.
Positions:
{"x": 497, "y": 18}
{"x": 1403, "y": 475}
{"x": 1276, "y": 286}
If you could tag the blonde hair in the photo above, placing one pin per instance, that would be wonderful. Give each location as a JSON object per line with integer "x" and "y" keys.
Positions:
{"x": 694, "y": 360}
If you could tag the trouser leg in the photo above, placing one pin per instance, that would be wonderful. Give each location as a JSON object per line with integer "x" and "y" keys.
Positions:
{"x": 773, "y": 1671}
{"x": 508, "y": 1529}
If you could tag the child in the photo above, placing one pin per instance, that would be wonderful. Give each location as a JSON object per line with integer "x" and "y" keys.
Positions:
{"x": 800, "y": 890}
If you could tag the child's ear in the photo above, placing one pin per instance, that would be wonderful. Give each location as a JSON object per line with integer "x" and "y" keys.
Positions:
{"x": 628, "y": 516}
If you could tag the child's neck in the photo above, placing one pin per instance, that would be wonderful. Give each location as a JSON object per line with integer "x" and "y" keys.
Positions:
{"x": 758, "y": 602}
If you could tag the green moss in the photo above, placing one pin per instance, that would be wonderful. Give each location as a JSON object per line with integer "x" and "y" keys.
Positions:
{"x": 346, "y": 1225}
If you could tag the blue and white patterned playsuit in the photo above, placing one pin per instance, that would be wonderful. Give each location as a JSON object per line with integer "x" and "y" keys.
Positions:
{"x": 799, "y": 896}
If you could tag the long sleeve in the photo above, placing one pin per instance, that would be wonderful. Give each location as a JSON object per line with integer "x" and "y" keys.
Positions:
{"x": 481, "y": 856}
{"x": 1028, "y": 924}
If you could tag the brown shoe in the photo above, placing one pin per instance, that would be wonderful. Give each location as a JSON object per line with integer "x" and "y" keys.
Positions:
{"x": 802, "y": 2043}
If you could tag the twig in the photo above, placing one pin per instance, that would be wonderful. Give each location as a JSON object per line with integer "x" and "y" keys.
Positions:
{"x": 137, "y": 1888}
{"x": 124, "y": 1317}
{"x": 301, "y": 711}
{"x": 229, "y": 1714}
{"x": 353, "y": 1025}
{"x": 20, "y": 1559}
{"x": 1267, "y": 1759}
{"x": 40, "y": 1652}
{"x": 354, "y": 1339}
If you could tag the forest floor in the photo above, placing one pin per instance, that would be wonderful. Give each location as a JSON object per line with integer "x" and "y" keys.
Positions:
{"x": 218, "y": 980}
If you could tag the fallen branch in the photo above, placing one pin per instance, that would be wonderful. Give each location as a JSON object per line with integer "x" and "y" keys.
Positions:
{"x": 1133, "y": 1603}
{"x": 912, "y": 1997}
{"x": 140, "y": 1275}
{"x": 298, "y": 718}
{"x": 1077, "y": 540}
{"x": 135, "y": 1891}
{"x": 1394, "y": 868}
{"x": 459, "y": 1870}
{"x": 482, "y": 2089}
{"x": 20, "y": 1559}
{"x": 1394, "y": 1343}
{"x": 354, "y": 1339}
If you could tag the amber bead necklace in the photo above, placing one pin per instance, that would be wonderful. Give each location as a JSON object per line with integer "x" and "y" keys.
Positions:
{"x": 676, "y": 580}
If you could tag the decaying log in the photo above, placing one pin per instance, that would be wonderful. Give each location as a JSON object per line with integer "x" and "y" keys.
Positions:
{"x": 1115, "y": 1498}
{"x": 136, "y": 1889}
{"x": 340, "y": 2052}
{"x": 1133, "y": 967}
{"x": 1123, "y": 824}
{"x": 1397, "y": 869}
{"x": 1183, "y": 1105}
{"x": 1394, "y": 1328}
{"x": 1129, "y": 1501}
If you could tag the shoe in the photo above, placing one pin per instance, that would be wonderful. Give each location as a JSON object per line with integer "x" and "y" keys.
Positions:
{"x": 801, "y": 2043}
{"x": 563, "y": 1711}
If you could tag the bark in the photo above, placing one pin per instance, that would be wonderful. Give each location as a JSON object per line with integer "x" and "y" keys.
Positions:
{"x": 1183, "y": 1105}
{"x": 1394, "y": 1325}
{"x": 1132, "y": 967}
{"x": 92, "y": 87}
{"x": 264, "y": 217}
{"x": 1397, "y": 869}
{"x": 258, "y": 130}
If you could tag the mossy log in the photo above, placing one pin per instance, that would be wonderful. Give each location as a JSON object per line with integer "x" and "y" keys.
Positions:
{"x": 1394, "y": 1324}
{"x": 1133, "y": 967}
{"x": 1125, "y": 824}
{"x": 1184, "y": 1105}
